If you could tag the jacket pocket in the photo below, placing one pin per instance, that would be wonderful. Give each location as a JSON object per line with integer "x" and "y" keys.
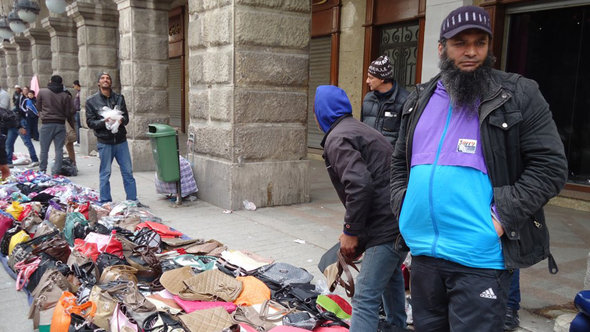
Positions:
{"x": 532, "y": 246}
{"x": 505, "y": 120}
{"x": 391, "y": 121}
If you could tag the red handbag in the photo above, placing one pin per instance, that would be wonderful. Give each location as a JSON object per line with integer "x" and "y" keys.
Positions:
{"x": 90, "y": 249}
{"x": 161, "y": 229}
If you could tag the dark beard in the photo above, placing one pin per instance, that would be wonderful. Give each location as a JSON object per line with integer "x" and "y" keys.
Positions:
{"x": 466, "y": 88}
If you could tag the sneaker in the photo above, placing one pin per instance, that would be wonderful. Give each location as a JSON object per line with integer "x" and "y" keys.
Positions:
{"x": 34, "y": 164}
{"x": 511, "y": 321}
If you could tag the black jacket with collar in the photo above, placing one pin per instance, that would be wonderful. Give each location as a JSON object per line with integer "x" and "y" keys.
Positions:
{"x": 385, "y": 115}
{"x": 524, "y": 157}
{"x": 357, "y": 159}
{"x": 94, "y": 120}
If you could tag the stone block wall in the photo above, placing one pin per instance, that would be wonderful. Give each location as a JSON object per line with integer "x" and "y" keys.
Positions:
{"x": 248, "y": 74}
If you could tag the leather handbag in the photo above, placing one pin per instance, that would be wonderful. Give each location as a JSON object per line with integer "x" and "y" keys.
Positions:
{"x": 121, "y": 322}
{"x": 279, "y": 275}
{"x": 105, "y": 260}
{"x": 212, "y": 285}
{"x": 105, "y": 301}
{"x": 300, "y": 319}
{"x": 46, "y": 295}
{"x": 161, "y": 321}
{"x": 57, "y": 217}
{"x": 148, "y": 266}
{"x": 6, "y": 222}
{"x": 118, "y": 273}
{"x": 249, "y": 315}
{"x": 66, "y": 305}
{"x": 81, "y": 324}
{"x": 5, "y": 243}
{"x": 55, "y": 247}
{"x": 47, "y": 263}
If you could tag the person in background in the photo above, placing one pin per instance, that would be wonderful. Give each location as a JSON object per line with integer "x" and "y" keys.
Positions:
{"x": 32, "y": 115}
{"x": 77, "y": 87}
{"x": 477, "y": 158}
{"x": 382, "y": 106}
{"x": 21, "y": 130}
{"x": 55, "y": 107}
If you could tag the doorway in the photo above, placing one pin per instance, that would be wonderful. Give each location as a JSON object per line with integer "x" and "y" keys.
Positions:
{"x": 552, "y": 47}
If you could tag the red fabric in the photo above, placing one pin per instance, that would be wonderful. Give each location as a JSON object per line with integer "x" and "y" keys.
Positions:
{"x": 84, "y": 208}
{"x": 5, "y": 223}
{"x": 163, "y": 230}
{"x": 190, "y": 306}
{"x": 406, "y": 274}
{"x": 91, "y": 249}
{"x": 342, "y": 303}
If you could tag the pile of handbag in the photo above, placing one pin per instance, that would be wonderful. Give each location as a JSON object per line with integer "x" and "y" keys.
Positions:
{"x": 116, "y": 267}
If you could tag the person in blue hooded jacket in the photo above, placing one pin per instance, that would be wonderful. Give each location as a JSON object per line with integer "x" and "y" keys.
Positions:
{"x": 357, "y": 159}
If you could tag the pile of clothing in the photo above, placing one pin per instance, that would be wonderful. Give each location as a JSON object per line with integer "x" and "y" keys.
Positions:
{"x": 116, "y": 267}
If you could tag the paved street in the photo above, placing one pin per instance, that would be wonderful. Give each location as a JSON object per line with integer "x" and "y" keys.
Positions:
{"x": 299, "y": 234}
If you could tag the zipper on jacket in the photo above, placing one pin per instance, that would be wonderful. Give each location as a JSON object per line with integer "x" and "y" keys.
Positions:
{"x": 431, "y": 181}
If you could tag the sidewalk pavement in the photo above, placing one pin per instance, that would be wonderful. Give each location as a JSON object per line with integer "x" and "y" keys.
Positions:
{"x": 299, "y": 234}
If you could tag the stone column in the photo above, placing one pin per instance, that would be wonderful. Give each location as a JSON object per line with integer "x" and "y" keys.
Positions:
{"x": 40, "y": 53}
{"x": 3, "y": 71}
{"x": 97, "y": 24}
{"x": 23, "y": 53}
{"x": 11, "y": 66}
{"x": 249, "y": 71}
{"x": 64, "y": 47}
{"x": 143, "y": 51}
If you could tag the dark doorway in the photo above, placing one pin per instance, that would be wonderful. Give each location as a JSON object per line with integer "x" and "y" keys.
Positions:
{"x": 553, "y": 48}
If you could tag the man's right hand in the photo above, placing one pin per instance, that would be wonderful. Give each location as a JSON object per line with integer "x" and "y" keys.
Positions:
{"x": 5, "y": 170}
{"x": 348, "y": 244}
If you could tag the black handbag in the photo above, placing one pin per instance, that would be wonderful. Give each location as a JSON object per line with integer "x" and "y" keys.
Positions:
{"x": 47, "y": 262}
{"x": 162, "y": 322}
{"x": 80, "y": 324}
{"x": 5, "y": 243}
{"x": 105, "y": 259}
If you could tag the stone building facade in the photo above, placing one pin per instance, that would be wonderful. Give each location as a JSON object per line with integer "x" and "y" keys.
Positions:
{"x": 244, "y": 83}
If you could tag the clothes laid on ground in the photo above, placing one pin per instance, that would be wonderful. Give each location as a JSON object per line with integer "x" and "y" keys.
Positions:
{"x": 116, "y": 267}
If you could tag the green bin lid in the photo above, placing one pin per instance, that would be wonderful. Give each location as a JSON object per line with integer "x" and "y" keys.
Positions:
{"x": 160, "y": 130}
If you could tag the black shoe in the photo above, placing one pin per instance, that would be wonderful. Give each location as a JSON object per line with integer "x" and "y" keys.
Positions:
{"x": 511, "y": 321}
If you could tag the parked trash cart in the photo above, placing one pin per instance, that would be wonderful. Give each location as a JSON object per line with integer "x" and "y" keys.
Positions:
{"x": 164, "y": 141}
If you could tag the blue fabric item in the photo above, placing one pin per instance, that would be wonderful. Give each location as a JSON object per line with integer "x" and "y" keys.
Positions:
{"x": 380, "y": 280}
{"x": 582, "y": 302}
{"x": 581, "y": 323}
{"x": 331, "y": 103}
{"x": 120, "y": 152}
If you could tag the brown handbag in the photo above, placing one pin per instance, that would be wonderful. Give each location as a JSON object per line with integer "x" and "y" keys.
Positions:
{"x": 58, "y": 218}
{"x": 56, "y": 247}
{"x": 118, "y": 273}
{"x": 46, "y": 294}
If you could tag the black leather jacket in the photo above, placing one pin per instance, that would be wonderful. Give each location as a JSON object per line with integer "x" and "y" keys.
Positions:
{"x": 385, "y": 116}
{"x": 524, "y": 157}
{"x": 94, "y": 120}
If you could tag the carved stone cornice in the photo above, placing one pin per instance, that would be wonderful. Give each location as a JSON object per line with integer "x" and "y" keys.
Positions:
{"x": 94, "y": 14}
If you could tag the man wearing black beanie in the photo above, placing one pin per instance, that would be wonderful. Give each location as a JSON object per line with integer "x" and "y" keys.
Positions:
{"x": 382, "y": 106}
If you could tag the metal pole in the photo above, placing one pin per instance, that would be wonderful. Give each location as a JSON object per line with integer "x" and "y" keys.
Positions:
{"x": 178, "y": 183}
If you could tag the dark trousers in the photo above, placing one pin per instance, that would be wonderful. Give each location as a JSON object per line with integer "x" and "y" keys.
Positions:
{"x": 447, "y": 296}
{"x": 33, "y": 127}
{"x": 514, "y": 293}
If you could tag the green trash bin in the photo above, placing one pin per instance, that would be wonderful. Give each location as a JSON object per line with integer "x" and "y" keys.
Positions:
{"x": 164, "y": 142}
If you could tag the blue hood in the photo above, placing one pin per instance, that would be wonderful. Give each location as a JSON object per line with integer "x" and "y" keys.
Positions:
{"x": 331, "y": 103}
